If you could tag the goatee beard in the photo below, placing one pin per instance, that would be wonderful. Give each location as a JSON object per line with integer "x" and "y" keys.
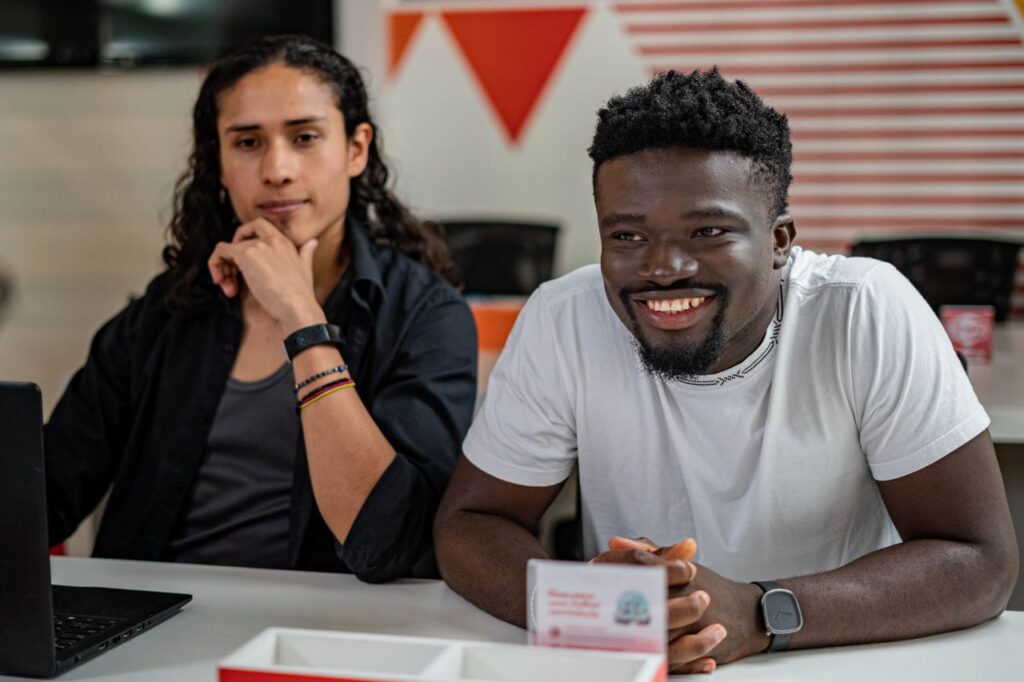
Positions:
{"x": 681, "y": 361}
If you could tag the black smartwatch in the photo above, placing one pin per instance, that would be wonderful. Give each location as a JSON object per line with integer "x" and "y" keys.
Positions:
{"x": 314, "y": 335}
{"x": 781, "y": 612}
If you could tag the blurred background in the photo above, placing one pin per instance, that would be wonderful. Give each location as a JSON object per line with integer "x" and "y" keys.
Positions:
{"x": 907, "y": 119}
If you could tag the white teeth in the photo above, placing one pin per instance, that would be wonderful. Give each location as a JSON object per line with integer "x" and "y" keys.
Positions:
{"x": 676, "y": 305}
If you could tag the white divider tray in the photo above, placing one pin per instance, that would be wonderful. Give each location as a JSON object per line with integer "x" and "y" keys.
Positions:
{"x": 290, "y": 655}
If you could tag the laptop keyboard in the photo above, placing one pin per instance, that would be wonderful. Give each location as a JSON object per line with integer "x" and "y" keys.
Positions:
{"x": 71, "y": 630}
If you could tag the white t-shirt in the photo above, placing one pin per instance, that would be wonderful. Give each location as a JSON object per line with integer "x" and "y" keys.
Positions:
{"x": 770, "y": 465}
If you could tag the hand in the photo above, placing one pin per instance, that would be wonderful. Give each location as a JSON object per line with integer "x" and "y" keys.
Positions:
{"x": 279, "y": 276}
{"x": 689, "y": 647}
{"x": 736, "y": 606}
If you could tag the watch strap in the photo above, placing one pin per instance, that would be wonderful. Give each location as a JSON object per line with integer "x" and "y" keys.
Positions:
{"x": 313, "y": 335}
{"x": 776, "y": 641}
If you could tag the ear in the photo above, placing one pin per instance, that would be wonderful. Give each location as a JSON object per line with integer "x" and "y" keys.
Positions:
{"x": 783, "y": 234}
{"x": 359, "y": 149}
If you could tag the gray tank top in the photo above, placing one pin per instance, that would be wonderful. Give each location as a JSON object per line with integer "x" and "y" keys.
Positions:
{"x": 238, "y": 511}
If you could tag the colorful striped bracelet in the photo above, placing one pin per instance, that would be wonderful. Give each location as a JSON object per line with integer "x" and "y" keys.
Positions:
{"x": 324, "y": 391}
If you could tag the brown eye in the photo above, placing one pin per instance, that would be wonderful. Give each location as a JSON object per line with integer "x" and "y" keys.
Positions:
{"x": 710, "y": 232}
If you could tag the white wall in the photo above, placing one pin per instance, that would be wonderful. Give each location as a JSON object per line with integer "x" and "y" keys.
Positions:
{"x": 453, "y": 159}
{"x": 86, "y": 172}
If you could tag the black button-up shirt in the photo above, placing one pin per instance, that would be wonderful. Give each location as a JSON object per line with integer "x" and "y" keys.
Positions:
{"x": 137, "y": 415}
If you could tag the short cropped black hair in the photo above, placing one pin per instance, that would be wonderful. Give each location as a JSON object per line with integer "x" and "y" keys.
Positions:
{"x": 702, "y": 110}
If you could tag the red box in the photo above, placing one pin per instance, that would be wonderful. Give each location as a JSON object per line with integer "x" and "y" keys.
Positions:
{"x": 970, "y": 329}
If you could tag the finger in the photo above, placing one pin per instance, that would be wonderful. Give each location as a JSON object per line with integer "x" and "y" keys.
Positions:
{"x": 687, "y": 649}
{"x": 701, "y": 665}
{"x": 680, "y": 573}
{"x": 265, "y": 229}
{"x": 223, "y": 270}
{"x": 628, "y": 556}
{"x": 684, "y": 611}
{"x": 618, "y": 542}
{"x": 306, "y": 253}
{"x": 677, "y": 573}
{"x": 684, "y": 550}
{"x": 260, "y": 228}
{"x": 244, "y": 232}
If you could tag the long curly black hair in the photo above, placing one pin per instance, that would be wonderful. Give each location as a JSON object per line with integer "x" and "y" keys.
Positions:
{"x": 201, "y": 218}
{"x": 701, "y": 110}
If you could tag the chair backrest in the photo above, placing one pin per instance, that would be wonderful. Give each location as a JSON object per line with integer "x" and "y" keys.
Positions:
{"x": 950, "y": 270}
{"x": 502, "y": 258}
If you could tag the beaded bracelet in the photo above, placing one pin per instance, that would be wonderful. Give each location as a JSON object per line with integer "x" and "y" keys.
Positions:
{"x": 320, "y": 375}
{"x": 323, "y": 391}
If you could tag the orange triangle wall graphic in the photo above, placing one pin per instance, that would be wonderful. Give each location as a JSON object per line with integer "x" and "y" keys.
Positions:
{"x": 401, "y": 29}
{"x": 513, "y": 53}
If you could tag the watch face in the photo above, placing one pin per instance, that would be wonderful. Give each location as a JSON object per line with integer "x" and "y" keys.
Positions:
{"x": 781, "y": 612}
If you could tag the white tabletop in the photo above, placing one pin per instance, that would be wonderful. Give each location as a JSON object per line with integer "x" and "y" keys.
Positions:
{"x": 1000, "y": 384}
{"x": 233, "y": 605}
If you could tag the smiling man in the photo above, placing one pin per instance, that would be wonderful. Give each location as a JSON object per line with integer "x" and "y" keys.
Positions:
{"x": 802, "y": 417}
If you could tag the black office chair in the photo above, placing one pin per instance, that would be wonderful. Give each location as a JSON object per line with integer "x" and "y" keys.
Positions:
{"x": 950, "y": 270}
{"x": 501, "y": 258}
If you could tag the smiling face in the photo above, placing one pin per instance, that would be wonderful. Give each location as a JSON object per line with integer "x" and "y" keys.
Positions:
{"x": 690, "y": 255}
{"x": 284, "y": 154}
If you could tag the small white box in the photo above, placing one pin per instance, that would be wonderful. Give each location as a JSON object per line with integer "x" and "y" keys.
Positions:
{"x": 615, "y": 607}
{"x": 290, "y": 655}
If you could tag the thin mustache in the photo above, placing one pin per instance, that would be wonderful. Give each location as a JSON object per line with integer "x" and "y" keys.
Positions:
{"x": 680, "y": 284}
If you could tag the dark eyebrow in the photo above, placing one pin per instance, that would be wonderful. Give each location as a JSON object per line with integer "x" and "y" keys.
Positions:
{"x": 614, "y": 219}
{"x": 304, "y": 121}
{"x": 713, "y": 213}
{"x": 246, "y": 127}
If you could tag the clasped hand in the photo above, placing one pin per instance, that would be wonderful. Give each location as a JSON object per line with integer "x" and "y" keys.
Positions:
{"x": 277, "y": 274}
{"x": 711, "y": 619}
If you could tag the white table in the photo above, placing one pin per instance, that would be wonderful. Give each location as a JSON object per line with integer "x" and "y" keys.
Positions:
{"x": 1000, "y": 384}
{"x": 232, "y": 605}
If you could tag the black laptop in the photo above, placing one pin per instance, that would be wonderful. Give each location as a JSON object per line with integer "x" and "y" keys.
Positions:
{"x": 44, "y": 629}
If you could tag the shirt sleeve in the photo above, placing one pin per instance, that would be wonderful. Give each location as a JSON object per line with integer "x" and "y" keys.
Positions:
{"x": 915, "y": 402}
{"x": 525, "y": 431}
{"x": 87, "y": 431}
{"x": 423, "y": 408}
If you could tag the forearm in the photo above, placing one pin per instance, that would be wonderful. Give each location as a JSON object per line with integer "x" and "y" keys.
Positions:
{"x": 911, "y": 589}
{"x": 483, "y": 557}
{"x": 956, "y": 568}
{"x": 347, "y": 452}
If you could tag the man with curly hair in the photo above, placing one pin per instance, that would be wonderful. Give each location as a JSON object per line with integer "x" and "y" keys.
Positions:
{"x": 800, "y": 419}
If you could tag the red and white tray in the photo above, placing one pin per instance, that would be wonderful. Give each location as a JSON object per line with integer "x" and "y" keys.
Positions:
{"x": 289, "y": 655}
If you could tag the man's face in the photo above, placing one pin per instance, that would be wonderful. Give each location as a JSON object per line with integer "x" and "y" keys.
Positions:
{"x": 690, "y": 254}
{"x": 284, "y": 154}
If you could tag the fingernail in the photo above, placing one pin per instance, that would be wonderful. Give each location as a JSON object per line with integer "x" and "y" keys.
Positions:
{"x": 703, "y": 598}
{"x": 709, "y": 667}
